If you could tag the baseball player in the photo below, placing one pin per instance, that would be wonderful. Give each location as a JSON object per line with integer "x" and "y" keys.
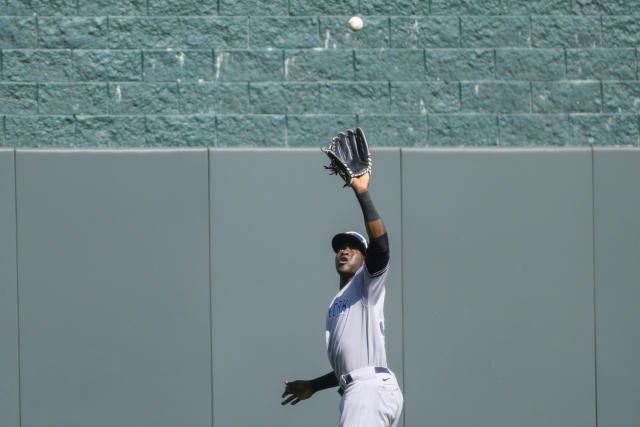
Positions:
{"x": 355, "y": 329}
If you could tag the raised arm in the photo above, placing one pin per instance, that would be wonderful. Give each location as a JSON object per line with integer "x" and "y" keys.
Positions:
{"x": 377, "y": 256}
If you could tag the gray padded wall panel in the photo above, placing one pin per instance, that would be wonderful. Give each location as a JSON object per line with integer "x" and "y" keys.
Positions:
{"x": 617, "y": 211}
{"x": 114, "y": 288}
{"x": 273, "y": 278}
{"x": 9, "y": 381}
{"x": 498, "y": 282}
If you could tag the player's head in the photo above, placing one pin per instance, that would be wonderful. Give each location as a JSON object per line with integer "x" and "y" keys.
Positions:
{"x": 350, "y": 248}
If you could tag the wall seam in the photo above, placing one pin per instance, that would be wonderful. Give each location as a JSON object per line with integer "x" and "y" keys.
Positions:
{"x": 427, "y": 138}
{"x": 601, "y": 97}
{"x": 601, "y": 32}
{"x": 495, "y": 64}
{"x": 108, "y": 86}
{"x": 286, "y": 129}
{"x": 72, "y": 63}
{"x": 251, "y": 110}
{"x": 146, "y": 130}
{"x": 15, "y": 198}
{"x": 179, "y": 101}
{"x": 354, "y": 67}
{"x": 249, "y": 33}
{"x": 593, "y": 262}
{"x": 213, "y": 71}
{"x": 210, "y": 283}
{"x": 402, "y": 299}
{"x": 107, "y": 94}
{"x": 108, "y": 30}
{"x": 142, "y": 76}
{"x": 215, "y": 141}
{"x": 424, "y": 62}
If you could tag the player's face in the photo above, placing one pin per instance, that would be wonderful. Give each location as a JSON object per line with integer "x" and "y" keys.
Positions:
{"x": 348, "y": 260}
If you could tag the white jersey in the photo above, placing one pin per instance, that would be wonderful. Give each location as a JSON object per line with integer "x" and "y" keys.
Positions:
{"x": 355, "y": 323}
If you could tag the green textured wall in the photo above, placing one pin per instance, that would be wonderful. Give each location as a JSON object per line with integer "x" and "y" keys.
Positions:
{"x": 290, "y": 72}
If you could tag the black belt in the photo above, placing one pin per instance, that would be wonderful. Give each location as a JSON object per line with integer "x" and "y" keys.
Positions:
{"x": 348, "y": 380}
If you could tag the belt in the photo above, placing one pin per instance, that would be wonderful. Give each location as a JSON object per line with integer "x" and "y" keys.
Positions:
{"x": 348, "y": 379}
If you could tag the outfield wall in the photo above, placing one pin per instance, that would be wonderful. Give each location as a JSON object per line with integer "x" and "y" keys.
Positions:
{"x": 180, "y": 287}
{"x": 288, "y": 73}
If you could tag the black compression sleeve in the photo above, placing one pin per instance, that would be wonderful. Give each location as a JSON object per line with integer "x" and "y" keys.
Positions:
{"x": 325, "y": 381}
{"x": 377, "y": 256}
{"x": 368, "y": 209}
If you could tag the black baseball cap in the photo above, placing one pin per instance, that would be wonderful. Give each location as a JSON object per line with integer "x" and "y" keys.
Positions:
{"x": 352, "y": 238}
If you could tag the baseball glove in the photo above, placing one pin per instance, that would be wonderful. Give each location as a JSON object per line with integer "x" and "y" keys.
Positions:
{"x": 349, "y": 155}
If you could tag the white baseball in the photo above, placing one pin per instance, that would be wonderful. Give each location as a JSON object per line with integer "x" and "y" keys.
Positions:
{"x": 355, "y": 23}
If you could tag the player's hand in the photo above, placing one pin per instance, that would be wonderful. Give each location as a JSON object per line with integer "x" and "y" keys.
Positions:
{"x": 297, "y": 391}
{"x": 360, "y": 184}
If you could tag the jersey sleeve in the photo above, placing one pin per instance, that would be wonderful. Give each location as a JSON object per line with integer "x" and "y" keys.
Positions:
{"x": 376, "y": 265}
{"x": 374, "y": 284}
{"x": 377, "y": 257}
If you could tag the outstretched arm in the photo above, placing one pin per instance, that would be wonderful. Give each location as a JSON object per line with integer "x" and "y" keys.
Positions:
{"x": 377, "y": 256}
{"x": 301, "y": 389}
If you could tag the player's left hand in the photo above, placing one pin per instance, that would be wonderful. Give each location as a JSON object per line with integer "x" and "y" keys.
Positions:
{"x": 360, "y": 184}
{"x": 349, "y": 155}
{"x": 299, "y": 390}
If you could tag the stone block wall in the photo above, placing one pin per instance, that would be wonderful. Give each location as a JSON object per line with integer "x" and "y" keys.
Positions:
{"x": 289, "y": 73}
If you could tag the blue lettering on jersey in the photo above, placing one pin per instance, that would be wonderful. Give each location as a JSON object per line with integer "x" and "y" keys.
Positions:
{"x": 338, "y": 307}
